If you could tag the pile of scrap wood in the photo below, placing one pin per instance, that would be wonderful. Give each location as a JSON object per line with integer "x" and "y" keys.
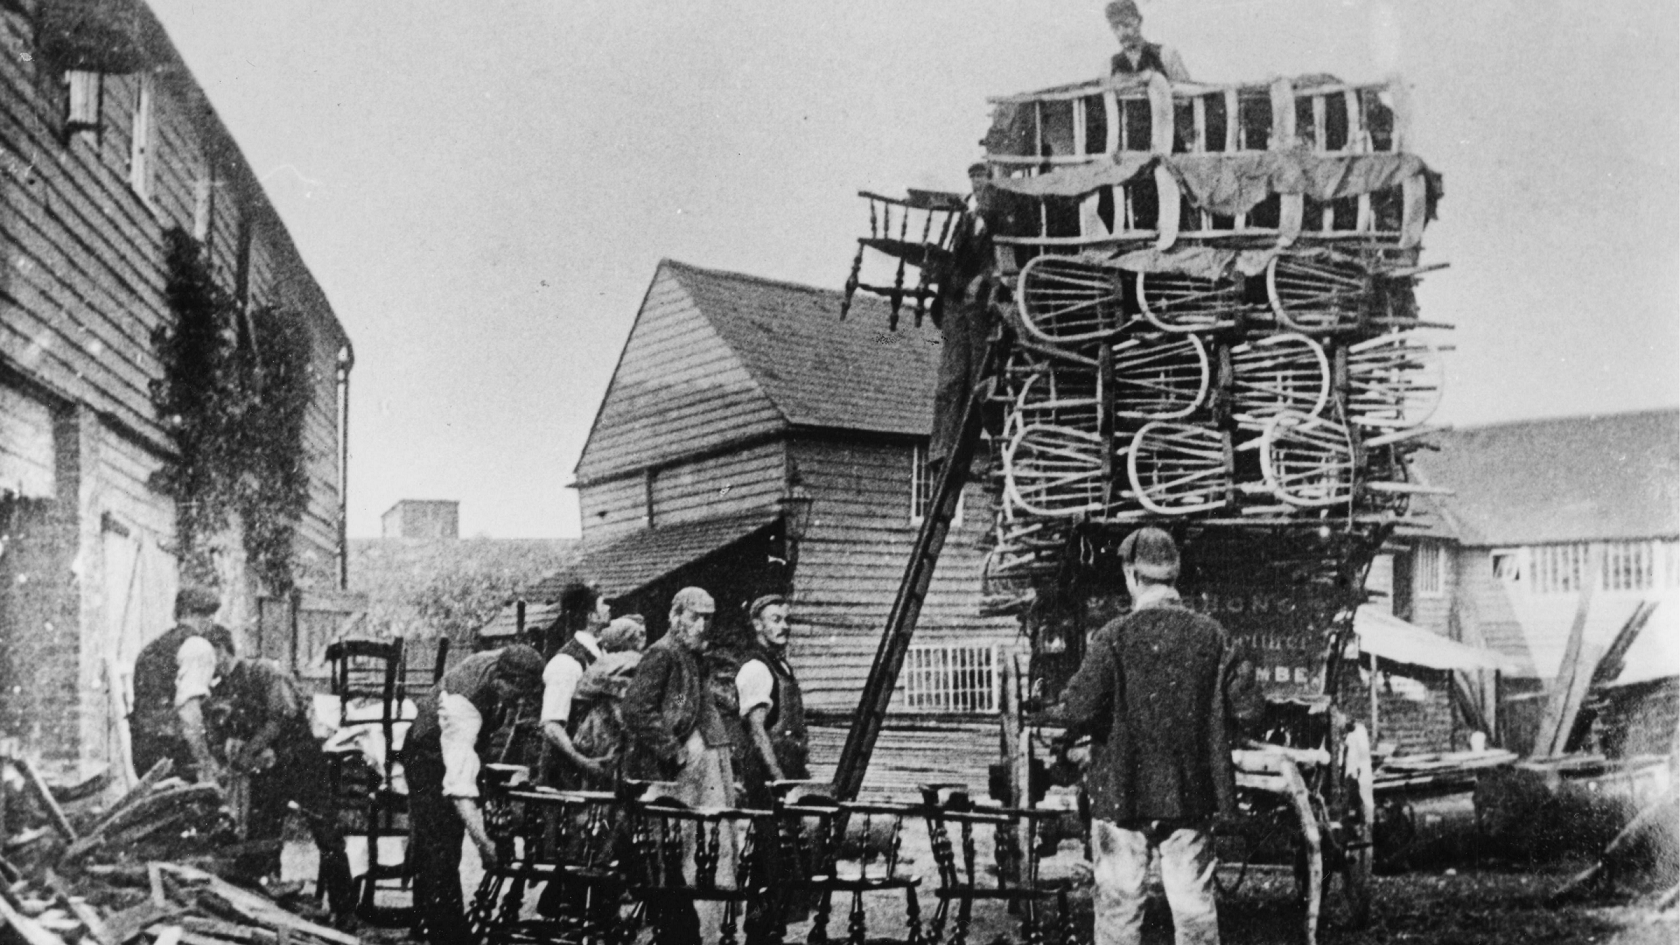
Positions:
{"x": 143, "y": 869}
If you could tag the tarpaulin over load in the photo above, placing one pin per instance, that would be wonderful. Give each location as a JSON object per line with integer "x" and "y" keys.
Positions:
{"x": 1233, "y": 184}
{"x": 1199, "y": 261}
{"x": 1079, "y": 180}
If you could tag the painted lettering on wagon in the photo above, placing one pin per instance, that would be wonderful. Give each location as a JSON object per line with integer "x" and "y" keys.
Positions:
{"x": 1284, "y": 630}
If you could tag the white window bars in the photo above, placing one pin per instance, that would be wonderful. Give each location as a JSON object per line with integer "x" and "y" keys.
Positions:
{"x": 951, "y": 678}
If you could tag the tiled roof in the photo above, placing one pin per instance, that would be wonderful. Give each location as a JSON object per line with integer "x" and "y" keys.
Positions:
{"x": 640, "y": 558}
{"x": 1568, "y": 479}
{"x": 821, "y": 371}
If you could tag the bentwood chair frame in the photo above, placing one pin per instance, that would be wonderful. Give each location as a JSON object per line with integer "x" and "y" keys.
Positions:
{"x": 664, "y": 835}
{"x": 962, "y": 880}
{"x": 849, "y": 849}
{"x": 566, "y": 839}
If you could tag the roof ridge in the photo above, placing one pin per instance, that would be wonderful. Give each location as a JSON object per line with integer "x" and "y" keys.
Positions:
{"x": 749, "y": 277}
{"x": 1567, "y": 418}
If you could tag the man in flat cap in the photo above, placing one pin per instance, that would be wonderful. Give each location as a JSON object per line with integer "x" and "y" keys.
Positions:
{"x": 1158, "y": 691}
{"x": 1135, "y": 54}
{"x": 771, "y": 705}
{"x": 172, "y": 678}
{"x": 441, "y": 758}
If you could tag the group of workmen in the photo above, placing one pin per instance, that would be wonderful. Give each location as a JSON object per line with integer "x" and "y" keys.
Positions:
{"x": 668, "y": 720}
{"x": 612, "y": 710}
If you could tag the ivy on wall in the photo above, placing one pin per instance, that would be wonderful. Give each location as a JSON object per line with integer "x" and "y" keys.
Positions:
{"x": 234, "y": 393}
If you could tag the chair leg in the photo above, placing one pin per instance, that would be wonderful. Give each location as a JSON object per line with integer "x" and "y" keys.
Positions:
{"x": 726, "y": 932}
{"x": 912, "y": 917}
{"x": 819, "y": 924}
{"x": 936, "y": 929}
{"x": 857, "y": 926}
{"x": 965, "y": 914}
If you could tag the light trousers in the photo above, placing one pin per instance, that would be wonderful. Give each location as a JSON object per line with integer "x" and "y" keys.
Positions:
{"x": 1121, "y": 876}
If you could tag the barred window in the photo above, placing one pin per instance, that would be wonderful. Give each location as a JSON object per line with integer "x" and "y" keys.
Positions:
{"x": 1557, "y": 569}
{"x": 1431, "y": 569}
{"x": 1629, "y": 566}
{"x": 951, "y": 679}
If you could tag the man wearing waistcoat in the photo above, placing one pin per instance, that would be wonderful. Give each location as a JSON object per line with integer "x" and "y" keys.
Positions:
{"x": 441, "y": 758}
{"x": 172, "y": 678}
{"x": 262, "y": 707}
{"x": 571, "y": 769}
{"x": 772, "y": 706}
{"x": 1159, "y": 691}
{"x": 1135, "y": 54}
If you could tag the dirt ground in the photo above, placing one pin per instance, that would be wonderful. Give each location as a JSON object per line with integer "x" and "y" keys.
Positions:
{"x": 1490, "y": 905}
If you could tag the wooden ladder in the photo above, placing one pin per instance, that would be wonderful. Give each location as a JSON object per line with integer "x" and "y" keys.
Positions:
{"x": 912, "y": 591}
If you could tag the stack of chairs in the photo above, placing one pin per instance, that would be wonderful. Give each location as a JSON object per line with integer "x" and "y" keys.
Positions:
{"x": 371, "y": 681}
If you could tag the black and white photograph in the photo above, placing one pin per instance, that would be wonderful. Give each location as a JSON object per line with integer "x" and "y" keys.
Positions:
{"x": 953, "y": 472}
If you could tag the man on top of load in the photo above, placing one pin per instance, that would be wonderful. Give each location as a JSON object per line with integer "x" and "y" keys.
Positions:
{"x": 1135, "y": 54}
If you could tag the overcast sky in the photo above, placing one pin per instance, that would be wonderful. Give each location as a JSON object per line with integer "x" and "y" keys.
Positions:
{"x": 484, "y": 189}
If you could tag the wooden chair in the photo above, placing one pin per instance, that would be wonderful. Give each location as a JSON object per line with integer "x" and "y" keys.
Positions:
{"x": 1176, "y": 302}
{"x": 1319, "y": 291}
{"x": 1159, "y": 378}
{"x": 1056, "y": 471}
{"x": 1286, "y": 373}
{"x": 370, "y": 679}
{"x": 1180, "y": 468}
{"x": 916, "y": 231}
{"x": 1394, "y": 381}
{"x": 1064, "y": 300}
{"x": 677, "y": 861}
{"x": 964, "y": 879}
{"x": 1308, "y": 461}
{"x": 571, "y": 843}
{"x": 851, "y": 850}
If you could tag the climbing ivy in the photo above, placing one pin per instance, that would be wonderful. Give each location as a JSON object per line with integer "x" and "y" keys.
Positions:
{"x": 234, "y": 393}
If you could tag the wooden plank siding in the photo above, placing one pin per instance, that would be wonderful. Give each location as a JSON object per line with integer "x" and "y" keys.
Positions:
{"x": 678, "y": 390}
{"x": 82, "y": 293}
{"x": 853, "y": 556}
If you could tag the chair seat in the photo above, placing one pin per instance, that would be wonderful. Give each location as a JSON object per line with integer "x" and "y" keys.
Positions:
{"x": 858, "y": 885}
{"x": 995, "y": 895}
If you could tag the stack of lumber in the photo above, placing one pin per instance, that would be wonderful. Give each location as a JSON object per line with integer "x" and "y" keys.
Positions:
{"x": 1446, "y": 769}
{"x": 142, "y": 870}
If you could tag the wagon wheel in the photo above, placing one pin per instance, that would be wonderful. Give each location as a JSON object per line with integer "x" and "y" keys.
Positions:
{"x": 1315, "y": 294}
{"x": 1176, "y": 302}
{"x": 1309, "y": 846}
{"x": 1066, "y": 301}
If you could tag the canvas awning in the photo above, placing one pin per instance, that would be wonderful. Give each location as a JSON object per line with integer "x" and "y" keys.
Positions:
{"x": 638, "y": 559}
{"x": 1388, "y": 637}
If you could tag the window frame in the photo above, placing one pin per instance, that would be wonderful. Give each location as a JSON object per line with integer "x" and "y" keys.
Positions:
{"x": 142, "y": 143}
{"x": 1429, "y": 569}
{"x": 922, "y": 486}
{"x": 930, "y": 682}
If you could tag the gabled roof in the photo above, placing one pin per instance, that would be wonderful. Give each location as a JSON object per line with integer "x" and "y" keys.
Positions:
{"x": 818, "y": 370}
{"x": 1568, "y": 479}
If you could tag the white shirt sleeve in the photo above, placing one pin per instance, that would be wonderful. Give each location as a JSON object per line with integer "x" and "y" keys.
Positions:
{"x": 754, "y": 685}
{"x": 458, "y": 724}
{"x": 195, "y": 670}
{"x": 560, "y": 681}
{"x": 1175, "y": 65}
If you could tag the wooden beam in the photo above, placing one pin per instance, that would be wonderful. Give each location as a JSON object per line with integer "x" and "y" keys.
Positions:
{"x": 1565, "y": 700}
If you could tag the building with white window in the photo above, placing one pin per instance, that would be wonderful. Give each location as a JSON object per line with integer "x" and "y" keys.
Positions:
{"x": 1542, "y": 512}
{"x": 750, "y": 441}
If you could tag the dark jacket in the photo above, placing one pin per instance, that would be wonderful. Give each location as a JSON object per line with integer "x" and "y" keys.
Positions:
{"x": 1159, "y": 689}
{"x": 785, "y": 724}
{"x": 154, "y": 679}
{"x": 257, "y": 693}
{"x": 472, "y": 679}
{"x": 1148, "y": 61}
{"x": 667, "y": 700}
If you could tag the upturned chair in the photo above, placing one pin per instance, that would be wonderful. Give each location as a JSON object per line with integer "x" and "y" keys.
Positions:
{"x": 1012, "y": 879}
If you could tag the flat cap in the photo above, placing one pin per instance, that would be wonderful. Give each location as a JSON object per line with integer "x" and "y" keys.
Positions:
{"x": 1120, "y": 11}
